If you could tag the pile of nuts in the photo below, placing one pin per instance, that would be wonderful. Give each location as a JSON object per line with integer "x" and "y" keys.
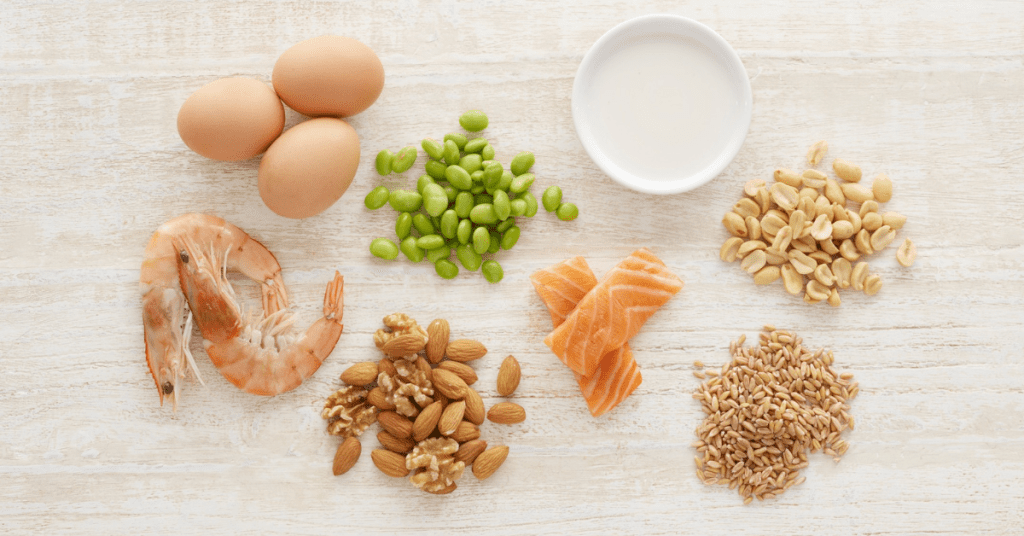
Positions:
{"x": 800, "y": 227}
{"x": 425, "y": 405}
{"x": 765, "y": 409}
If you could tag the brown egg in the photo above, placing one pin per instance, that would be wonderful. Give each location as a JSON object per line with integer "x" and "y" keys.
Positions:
{"x": 231, "y": 119}
{"x": 329, "y": 75}
{"x": 309, "y": 167}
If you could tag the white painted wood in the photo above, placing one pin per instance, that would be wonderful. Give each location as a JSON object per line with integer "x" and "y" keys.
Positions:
{"x": 930, "y": 93}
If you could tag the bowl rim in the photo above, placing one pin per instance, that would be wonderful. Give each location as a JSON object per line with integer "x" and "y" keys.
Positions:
{"x": 711, "y": 39}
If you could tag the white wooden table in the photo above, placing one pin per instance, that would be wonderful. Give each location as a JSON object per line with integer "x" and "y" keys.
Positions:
{"x": 930, "y": 93}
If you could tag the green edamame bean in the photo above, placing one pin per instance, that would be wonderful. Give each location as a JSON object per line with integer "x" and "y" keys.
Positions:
{"x": 470, "y": 162}
{"x": 464, "y": 232}
{"x": 552, "y": 198}
{"x": 433, "y": 148}
{"x": 423, "y": 181}
{"x": 383, "y": 162}
{"x": 435, "y": 201}
{"x": 403, "y": 225}
{"x": 495, "y": 243}
{"x": 423, "y": 225}
{"x": 502, "y": 205}
{"x": 477, "y": 189}
{"x": 506, "y": 180}
{"x": 567, "y": 212}
{"x": 378, "y": 197}
{"x": 475, "y": 145}
{"x": 436, "y": 221}
{"x": 522, "y": 183}
{"x": 518, "y": 207}
{"x": 492, "y": 271}
{"x": 404, "y": 159}
{"x": 481, "y": 240}
{"x": 458, "y": 177}
{"x": 459, "y": 139}
{"x": 531, "y": 204}
{"x": 435, "y": 255}
{"x": 435, "y": 168}
{"x": 405, "y": 201}
{"x": 477, "y": 176}
{"x": 383, "y": 248}
{"x": 509, "y": 237}
{"x": 473, "y": 121}
{"x": 522, "y": 162}
{"x": 411, "y": 250}
{"x": 492, "y": 174}
{"x": 503, "y": 226}
{"x": 463, "y": 204}
{"x": 480, "y": 199}
{"x": 449, "y": 223}
{"x": 469, "y": 258}
{"x": 487, "y": 162}
{"x": 487, "y": 152}
{"x": 446, "y": 269}
{"x": 451, "y": 153}
{"x": 430, "y": 241}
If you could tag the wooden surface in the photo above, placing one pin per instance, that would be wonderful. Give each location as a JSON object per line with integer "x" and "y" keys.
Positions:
{"x": 930, "y": 93}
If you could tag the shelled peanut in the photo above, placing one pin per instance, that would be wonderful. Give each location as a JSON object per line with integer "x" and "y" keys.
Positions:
{"x": 420, "y": 393}
{"x": 811, "y": 230}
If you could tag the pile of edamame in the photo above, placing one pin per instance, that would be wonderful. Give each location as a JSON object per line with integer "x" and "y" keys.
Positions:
{"x": 466, "y": 202}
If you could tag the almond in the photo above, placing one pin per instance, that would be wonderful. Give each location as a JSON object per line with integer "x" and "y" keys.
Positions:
{"x": 508, "y": 376}
{"x": 474, "y": 407}
{"x": 395, "y": 424}
{"x": 427, "y": 421}
{"x": 389, "y": 463}
{"x": 449, "y": 384}
{"x": 347, "y": 455}
{"x": 404, "y": 345}
{"x": 489, "y": 461}
{"x": 386, "y": 365}
{"x": 360, "y": 374}
{"x": 466, "y": 431}
{"x": 394, "y": 444}
{"x": 378, "y": 399}
{"x": 461, "y": 370}
{"x": 505, "y": 413}
{"x": 437, "y": 340}
{"x": 424, "y": 367}
{"x": 463, "y": 350}
{"x": 469, "y": 450}
{"x": 451, "y": 417}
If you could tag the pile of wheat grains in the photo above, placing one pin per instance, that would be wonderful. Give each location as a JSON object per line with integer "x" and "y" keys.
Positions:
{"x": 765, "y": 409}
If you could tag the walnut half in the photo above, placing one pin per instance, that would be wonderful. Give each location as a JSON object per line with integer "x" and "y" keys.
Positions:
{"x": 397, "y": 324}
{"x": 409, "y": 381}
{"x": 347, "y": 412}
{"x": 433, "y": 464}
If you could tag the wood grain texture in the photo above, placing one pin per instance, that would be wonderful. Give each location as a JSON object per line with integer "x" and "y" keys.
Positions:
{"x": 930, "y": 93}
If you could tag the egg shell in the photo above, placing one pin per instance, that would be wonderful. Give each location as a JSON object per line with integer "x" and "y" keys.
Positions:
{"x": 309, "y": 167}
{"x": 329, "y": 75}
{"x": 231, "y": 119}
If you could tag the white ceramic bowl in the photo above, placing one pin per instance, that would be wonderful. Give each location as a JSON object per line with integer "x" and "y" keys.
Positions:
{"x": 586, "y": 116}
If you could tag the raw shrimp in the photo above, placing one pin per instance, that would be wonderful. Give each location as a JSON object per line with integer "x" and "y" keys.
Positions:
{"x": 167, "y": 331}
{"x": 259, "y": 356}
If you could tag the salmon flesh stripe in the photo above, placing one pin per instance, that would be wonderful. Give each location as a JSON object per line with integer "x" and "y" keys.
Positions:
{"x": 614, "y": 311}
{"x": 561, "y": 287}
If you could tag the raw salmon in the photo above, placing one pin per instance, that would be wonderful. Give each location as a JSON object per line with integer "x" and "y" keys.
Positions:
{"x": 613, "y": 311}
{"x": 561, "y": 287}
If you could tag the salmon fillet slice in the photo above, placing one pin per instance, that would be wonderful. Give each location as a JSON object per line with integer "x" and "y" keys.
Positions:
{"x": 561, "y": 287}
{"x": 613, "y": 311}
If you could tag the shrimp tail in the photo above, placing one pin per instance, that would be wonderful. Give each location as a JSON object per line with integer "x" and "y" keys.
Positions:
{"x": 334, "y": 299}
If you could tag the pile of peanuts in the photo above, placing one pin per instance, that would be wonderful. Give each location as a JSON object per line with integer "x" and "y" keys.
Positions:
{"x": 811, "y": 230}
